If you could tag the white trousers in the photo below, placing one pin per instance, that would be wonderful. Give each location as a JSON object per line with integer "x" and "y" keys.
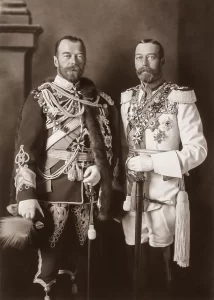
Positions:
{"x": 158, "y": 226}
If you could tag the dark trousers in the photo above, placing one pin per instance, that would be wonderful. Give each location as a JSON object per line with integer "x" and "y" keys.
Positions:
{"x": 155, "y": 270}
{"x": 67, "y": 256}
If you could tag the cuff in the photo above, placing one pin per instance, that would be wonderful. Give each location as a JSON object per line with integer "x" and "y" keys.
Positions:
{"x": 26, "y": 194}
{"x": 167, "y": 164}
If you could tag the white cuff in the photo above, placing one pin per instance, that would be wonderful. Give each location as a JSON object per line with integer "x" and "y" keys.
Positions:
{"x": 167, "y": 164}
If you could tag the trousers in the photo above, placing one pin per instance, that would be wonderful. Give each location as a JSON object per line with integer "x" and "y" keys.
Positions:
{"x": 158, "y": 226}
{"x": 65, "y": 249}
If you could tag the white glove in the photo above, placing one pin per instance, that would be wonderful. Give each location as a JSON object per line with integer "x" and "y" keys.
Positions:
{"x": 27, "y": 208}
{"x": 140, "y": 163}
{"x": 92, "y": 175}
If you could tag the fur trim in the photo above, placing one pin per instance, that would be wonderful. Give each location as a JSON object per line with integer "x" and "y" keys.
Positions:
{"x": 15, "y": 231}
{"x": 98, "y": 148}
{"x": 88, "y": 89}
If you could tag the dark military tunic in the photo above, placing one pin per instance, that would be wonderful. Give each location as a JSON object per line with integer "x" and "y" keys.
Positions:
{"x": 64, "y": 129}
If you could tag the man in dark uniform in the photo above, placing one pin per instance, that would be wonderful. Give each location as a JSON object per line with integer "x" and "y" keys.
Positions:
{"x": 64, "y": 147}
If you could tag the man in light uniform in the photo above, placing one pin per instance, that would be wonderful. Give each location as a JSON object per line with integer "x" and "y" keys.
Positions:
{"x": 164, "y": 139}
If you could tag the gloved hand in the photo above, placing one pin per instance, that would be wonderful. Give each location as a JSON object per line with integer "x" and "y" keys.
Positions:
{"x": 140, "y": 163}
{"x": 27, "y": 208}
{"x": 92, "y": 175}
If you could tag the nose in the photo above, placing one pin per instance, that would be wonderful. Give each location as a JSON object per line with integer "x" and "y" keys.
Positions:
{"x": 73, "y": 59}
{"x": 144, "y": 61}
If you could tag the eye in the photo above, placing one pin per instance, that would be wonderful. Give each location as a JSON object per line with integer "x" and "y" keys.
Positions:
{"x": 80, "y": 56}
{"x": 152, "y": 57}
{"x": 139, "y": 57}
{"x": 67, "y": 55}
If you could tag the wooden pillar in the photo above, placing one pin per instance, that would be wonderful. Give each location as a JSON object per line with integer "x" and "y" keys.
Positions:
{"x": 18, "y": 41}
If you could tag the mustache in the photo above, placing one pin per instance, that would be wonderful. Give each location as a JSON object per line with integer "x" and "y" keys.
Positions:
{"x": 145, "y": 69}
{"x": 74, "y": 68}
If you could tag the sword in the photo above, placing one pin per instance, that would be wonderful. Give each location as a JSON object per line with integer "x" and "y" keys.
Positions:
{"x": 139, "y": 178}
{"x": 91, "y": 236}
{"x": 138, "y": 225}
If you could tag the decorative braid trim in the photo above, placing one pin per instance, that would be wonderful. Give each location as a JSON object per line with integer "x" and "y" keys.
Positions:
{"x": 39, "y": 280}
{"x": 68, "y": 272}
{"x": 60, "y": 214}
{"x": 25, "y": 178}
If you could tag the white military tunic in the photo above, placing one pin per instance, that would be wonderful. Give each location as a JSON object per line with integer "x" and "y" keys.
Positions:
{"x": 165, "y": 124}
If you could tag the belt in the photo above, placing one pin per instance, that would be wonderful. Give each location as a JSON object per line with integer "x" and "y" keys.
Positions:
{"x": 65, "y": 155}
{"x": 163, "y": 202}
{"x": 144, "y": 151}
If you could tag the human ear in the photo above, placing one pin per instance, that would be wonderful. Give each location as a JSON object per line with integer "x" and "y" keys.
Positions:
{"x": 56, "y": 62}
{"x": 162, "y": 62}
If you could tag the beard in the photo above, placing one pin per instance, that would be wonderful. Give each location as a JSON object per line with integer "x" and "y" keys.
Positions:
{"x": 147, "y": 75}
{"x": 72, "y": 73}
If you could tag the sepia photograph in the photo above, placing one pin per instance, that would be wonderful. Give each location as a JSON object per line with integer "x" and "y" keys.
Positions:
{"x": 106, "y": 142}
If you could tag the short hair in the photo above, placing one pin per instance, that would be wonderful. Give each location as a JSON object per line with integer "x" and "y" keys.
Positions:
{"x": 70, "y": 38}
{"x": 161, "y": 50}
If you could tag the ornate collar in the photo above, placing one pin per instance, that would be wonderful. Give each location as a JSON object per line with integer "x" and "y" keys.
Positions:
{"x": 65, "y": 84}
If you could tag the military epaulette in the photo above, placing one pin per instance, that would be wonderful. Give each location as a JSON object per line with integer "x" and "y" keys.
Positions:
{"x": 43, "y": 86}
{"x": 126, "y": 96}
{"x": 134, "y": 88}
{"x": 106, "y": 97}
{"x": 182, "y": 95}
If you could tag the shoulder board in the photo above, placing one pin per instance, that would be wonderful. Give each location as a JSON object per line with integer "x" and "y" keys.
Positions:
{"x": 37, "y": 92}
{"x": 182, "y": 95}
{"x": 126, "y": 96}
{"x": 135, "y": 88}
{"x": 43, "y": 86}
{"x": 106, "y": 97}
